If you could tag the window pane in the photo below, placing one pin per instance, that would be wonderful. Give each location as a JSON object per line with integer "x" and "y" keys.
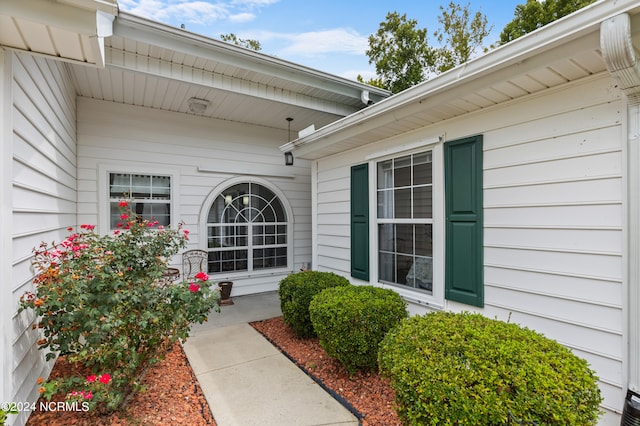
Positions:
{"x": 403, "y": 266}
{"x": 385, "y": 204}
{"x": 385, "y": 174}
{"x": 404, "y": 239}
{"x": 386, "y": 237}
{"x": 387, "y": 267}
{"x": 422, "y": 169}
{"x": 424, "y": 240}
{"x": 402, "y": 202}
{"x": 402, "y": 172}
{"x": 421, "y": 273}
{"x": 140, "y": 186}
{"x": 422, "y": 204}
{"x": 119, "y": 185}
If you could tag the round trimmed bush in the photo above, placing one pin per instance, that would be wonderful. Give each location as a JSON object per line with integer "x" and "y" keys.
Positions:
{"x": 454, "y": 369}
{"x": 351, "y": 322}
{"x": 296, "y": 292}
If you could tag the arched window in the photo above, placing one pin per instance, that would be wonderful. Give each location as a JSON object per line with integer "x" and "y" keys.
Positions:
{"x": 246, "y": 230}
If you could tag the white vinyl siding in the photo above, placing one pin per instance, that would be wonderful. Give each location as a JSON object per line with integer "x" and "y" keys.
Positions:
{"x": 202, "y": 156}
{"x": 43, "y": 199}
{"x": 554, "y": 221}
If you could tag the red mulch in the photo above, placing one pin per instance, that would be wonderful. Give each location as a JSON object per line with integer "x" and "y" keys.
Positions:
{"x": 174, "y": 396}
{"x": 367, "y": 392}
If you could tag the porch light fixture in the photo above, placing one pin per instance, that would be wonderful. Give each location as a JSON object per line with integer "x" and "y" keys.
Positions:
{"x": 198, "y": 106}
{"x": 288, "y": 156}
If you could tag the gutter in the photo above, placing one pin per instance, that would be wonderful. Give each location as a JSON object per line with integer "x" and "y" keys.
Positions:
{"x": 513, "y": 54}
{"x": 620, "y": 57}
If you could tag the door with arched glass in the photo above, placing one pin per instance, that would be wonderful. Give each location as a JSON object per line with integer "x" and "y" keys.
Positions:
{"x": 247, "y": 230}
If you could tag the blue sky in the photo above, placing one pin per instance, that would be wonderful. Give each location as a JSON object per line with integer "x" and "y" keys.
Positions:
{"x": 327, "y": 35}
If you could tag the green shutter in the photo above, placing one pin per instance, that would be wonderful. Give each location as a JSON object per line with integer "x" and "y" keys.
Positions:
{"x": 360, "y": 221}
{"x": 464, "y": 281}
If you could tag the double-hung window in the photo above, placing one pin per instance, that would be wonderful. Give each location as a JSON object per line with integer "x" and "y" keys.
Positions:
{"x": 149, "y": 197}
{"x": 404, "y": 196}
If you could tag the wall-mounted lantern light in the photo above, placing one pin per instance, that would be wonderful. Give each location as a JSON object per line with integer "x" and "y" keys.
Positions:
{"x": 288, "y": 158}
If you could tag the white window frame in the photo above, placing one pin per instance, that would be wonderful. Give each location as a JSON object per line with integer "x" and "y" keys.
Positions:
{"x": 104, "y": 199}
{"x": 206, "y": 206}
{"x": 435, "y": 145}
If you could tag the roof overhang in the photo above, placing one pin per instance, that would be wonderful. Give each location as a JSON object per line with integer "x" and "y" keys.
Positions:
{"x": 70, "y": 30}
{"x": 566, "y": 50}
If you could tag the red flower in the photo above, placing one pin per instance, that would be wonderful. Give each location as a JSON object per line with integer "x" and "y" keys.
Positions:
{"x": 202, "y": 276}
{"x": 193, "y": 287}
{"x": 123, "y": 204}
{"x": 91, "y": 378}
{"x": 105, "y": 378}
{"x": 124, "y": 216}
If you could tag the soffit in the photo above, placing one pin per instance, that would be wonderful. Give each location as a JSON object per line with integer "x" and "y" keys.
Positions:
{"x": 71, "y": 30}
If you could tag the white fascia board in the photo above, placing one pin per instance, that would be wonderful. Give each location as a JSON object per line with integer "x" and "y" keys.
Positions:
{"x": 154, "y": 33}
{"x": 506, "y": 60}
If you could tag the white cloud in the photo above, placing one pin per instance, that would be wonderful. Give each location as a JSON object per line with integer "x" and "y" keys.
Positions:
{"x": 197, "y": 12}
{"x": 242, "y": 17}
{"x": 315, "y": 43}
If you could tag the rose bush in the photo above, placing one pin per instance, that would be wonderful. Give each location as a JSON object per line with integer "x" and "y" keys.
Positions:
{"x": 102, "y": 302}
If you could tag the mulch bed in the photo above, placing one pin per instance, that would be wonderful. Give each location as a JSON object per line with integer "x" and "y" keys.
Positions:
{"x": 174, "y": 396}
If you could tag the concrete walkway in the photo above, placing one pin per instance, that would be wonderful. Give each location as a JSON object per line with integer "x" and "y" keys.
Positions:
{"x": 247, "y": 381}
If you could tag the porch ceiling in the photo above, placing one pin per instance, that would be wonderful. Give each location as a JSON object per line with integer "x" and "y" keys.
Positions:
{"x": 153, "y": 65}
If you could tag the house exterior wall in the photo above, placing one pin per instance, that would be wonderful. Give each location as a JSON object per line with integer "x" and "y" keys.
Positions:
{"x": 203, "y": 156}
{"x": 40, "y": 142}
{"x": 554, "y": 182}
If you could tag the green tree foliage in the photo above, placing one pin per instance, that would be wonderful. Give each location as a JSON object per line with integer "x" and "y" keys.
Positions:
{"x": 400, "y": 52}
{"x": 460, "y": 37}
{"x": 535, "y": 14}
{"x": 247, "y": 43}
{"x": 403, "y": 56}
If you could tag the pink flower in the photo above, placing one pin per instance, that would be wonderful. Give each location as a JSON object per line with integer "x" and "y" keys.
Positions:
{"x": 202, "y": 276}
{"x": 69, "y": 229}
{"x": 92, "y": 378}
{"x": 123, "y": 204}
{"x": 105, "y": 378}
{"x": 193, "y": 287}
{"x": 88, "y": 227}
{"x": 87, "y": 395}
{"x": 116, "y": 232}
{"x": 124, "y": 216}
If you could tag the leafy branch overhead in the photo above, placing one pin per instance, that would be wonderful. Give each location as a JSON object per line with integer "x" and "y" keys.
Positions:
{"x": 402, "y": 54}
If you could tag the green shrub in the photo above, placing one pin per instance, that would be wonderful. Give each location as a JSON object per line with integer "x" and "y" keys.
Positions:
{"x": 296, "y": 292}
{"x": 454, "y": 369}
{"x": 351, "y": 322}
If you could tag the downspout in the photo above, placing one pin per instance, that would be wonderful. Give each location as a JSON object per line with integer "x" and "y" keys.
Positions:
{"x": 622, "y": 63}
